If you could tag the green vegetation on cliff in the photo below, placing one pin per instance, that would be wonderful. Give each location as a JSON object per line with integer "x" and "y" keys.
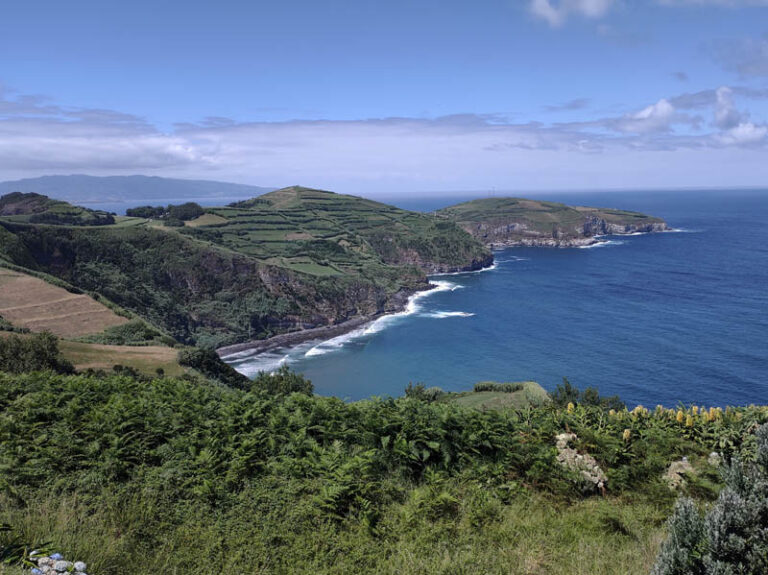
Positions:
{"x": 288, "y": 260}
{"x": 38, "y": 209}
{"x": 169, "y": 475}
{"x": 518, "y": 221}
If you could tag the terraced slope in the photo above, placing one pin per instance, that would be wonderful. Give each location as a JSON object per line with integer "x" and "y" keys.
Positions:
{"x": 29, "y": 302}
{"x": 522, "y": 222}
{"x": 327, "y": 234}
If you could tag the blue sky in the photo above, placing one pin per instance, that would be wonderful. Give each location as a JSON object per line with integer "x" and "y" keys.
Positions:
{"x": 401, "y": 96}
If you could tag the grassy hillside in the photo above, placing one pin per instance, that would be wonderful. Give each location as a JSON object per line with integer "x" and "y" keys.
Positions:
{"x": 322, "y": 233}
{"x": 39, "y": 209}
{"x": 517, "y": 221}
{"x": 529, "y": 394}
{"x": 296, "y": 259}
{"x": 179, "y": 476}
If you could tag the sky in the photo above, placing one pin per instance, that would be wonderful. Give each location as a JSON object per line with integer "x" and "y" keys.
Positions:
{"x": 403, "y": 96}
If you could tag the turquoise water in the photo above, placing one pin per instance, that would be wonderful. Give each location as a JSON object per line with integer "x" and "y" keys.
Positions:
{"x": 659, "y": 318}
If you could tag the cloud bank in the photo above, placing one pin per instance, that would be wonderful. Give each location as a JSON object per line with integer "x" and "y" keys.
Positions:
{"x": 700, "y": 138}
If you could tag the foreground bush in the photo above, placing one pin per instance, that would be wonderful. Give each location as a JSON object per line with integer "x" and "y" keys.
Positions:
{"x": 178, "y": 476}
{"x": 732, "y": 538}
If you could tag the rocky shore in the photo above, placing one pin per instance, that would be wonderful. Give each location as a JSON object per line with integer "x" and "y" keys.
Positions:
{"x": 397, "y": 303}
{"x": 509, "y": 236}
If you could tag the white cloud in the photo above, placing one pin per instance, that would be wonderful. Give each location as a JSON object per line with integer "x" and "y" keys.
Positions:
{"x": 744, "y": 134}
{"x": 726, "y": 115}
{"x": 731, "y": 3}
{"x": 657, "y": 117}
{"x": 557, "y": 12}
{"x": 462, "y": 151}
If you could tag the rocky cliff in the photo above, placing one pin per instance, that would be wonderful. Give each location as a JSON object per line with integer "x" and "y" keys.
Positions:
{"x": 509, "y": 222}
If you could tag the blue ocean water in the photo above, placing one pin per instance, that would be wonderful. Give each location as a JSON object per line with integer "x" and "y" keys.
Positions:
{"x": 658, "y": 318}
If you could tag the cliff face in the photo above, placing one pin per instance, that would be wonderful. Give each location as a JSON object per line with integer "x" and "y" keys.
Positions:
{"x": 499, "y": 222}
{"x": 204, "y": 295}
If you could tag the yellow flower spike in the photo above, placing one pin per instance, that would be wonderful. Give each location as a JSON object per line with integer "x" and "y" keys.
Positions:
{"x": 626, "y": 435}
{"x": 612, "y": 412}
{"x": 680, "y": 416}
{"x": 571, "y": 407}
{"x": 695, "y": 410}
{"x": 689, "y": 421}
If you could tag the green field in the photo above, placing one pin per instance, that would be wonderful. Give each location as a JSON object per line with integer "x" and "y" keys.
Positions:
{"x": 532, "y": 394}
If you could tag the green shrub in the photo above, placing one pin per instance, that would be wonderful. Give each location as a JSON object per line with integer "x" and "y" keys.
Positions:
{"x": 422, "y": 393}
{"x": 283, "y": 382}
{"x": 208, "y": 362}
{"x": 38, "y": 352}
{"x": 502, "y": 387}
{"x": 566, "y": 393}
{"x": 732, "y": 538}
{"x": 134, "y": 332}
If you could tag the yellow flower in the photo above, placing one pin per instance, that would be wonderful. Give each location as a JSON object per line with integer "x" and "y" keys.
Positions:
{"x": 689, "y": 421}
{"x": 680, "y": 416}
{"x": 695, "y": 410}
{"x": 627, "y": 434}
{"x": 570, "y": 407}
{"x": 612, "y": 412}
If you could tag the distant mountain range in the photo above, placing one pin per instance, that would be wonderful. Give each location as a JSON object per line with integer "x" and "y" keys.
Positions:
{"x": 115, "y": 189}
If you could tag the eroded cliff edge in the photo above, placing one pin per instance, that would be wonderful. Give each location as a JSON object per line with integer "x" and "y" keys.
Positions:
{"x": 518, "y": 222}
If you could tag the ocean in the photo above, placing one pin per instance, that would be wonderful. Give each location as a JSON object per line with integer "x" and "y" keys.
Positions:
{"x": 669, "y": 318}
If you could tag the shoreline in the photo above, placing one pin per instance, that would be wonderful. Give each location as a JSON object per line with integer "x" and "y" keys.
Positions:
{"x": 328, "y": 332}
{"x": 294, "y": 338}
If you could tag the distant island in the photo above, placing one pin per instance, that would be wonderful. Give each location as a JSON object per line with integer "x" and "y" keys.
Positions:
{"x": 82, "y": 189}
{"x": 514, "y": 222}
{"x": 284, "y": 266}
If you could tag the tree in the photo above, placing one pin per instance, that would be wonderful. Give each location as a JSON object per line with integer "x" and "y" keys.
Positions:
{"x": 39, "y": 352}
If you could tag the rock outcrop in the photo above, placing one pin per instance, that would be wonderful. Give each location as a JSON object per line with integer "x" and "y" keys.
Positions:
{"x": 675, "y": 476}
{"x": 584, "y": 464}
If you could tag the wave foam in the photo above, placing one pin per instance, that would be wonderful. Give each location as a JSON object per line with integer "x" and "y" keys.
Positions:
{"x": 680, "y": 231}
{"x": 411, "y": 307}
{"x": 445, "y": 314}
{"x": 604, "y": 244}
{"x": 490, "y": 268}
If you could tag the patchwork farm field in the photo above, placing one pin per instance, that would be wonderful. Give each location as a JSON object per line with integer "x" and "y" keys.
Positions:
{"x": 324, "y": 234}
{"x": 32, "y": 303}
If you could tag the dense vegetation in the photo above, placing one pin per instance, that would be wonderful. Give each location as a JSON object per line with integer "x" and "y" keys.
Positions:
{"x": 174, "y": 475}
{"x": 732, "y": 538}
{"x": 34, "y": 353}
{"x": 289, "y": 260}
{"x": 171, "y": 214}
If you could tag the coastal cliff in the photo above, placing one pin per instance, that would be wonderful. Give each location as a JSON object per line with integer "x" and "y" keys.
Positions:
{"x": 516, "y": 222}
{"x": 290, "y": 261}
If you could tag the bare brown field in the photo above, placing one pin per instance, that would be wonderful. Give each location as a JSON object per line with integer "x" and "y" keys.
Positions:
{"x": 30, "y": 302}
{"x": 145, "y": 358}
